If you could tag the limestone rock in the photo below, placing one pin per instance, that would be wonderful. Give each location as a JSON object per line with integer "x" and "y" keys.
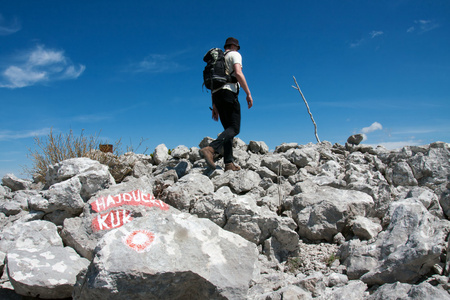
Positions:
{"x": 428, "y": 199}
{"x": 258, "y": 147}
{"x": 365, "y": 228}
{"x": 244, "y": 181}
{"x": 410, "y": 246}
{"x": 324, "y": 213}
{"x": 400, "y": 290}
{"x": 10, "y": 207}
{"x": 161, "y": 154}
{"x": 407, "y": 249}
{"x": 14, "y": 183}
{"x": 355, "y": 289}
{"x": 285, "y": 147}
{"x": 355, "y": 139}
{"x": 2, "y": 261}
{"x": 401, "y": 174}
{"x": 184, "y": 193}
{"x": 279, "y": 165}
{"x": 92, "y": 175}
{"x": 307, "y": 156}
{"x": 29, "y": 235}
{"x": 180, "y": 152}
{"x": 213, "y": 206}
{"x": 110, "y": 209}
{"x": 2, "y": 191}
{"x": 62, "y": 200}
{"x": 48, "y": 273}
{"x": 170, "y": 256}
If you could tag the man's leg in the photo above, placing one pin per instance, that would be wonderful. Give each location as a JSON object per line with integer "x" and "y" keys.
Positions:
{"x": 230, "y": 116}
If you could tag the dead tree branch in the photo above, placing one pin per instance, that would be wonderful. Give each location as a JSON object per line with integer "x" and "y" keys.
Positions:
{"x": 307, "y": 106}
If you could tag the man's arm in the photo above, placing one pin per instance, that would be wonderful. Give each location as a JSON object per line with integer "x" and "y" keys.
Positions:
{"x": 243, "y": 83}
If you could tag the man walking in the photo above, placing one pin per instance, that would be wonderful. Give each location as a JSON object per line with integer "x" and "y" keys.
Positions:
{"x": 226, "y": 107}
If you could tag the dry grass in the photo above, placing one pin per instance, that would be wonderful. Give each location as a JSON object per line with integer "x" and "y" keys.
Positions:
{"x": 55, "y": 148}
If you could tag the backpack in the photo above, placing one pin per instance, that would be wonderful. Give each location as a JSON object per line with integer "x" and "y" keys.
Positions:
{"x": 215, "y": 74}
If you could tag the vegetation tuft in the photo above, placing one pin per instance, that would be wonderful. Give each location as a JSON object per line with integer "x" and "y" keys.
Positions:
{"x": 330, "y": 260}
{"x": 293, "y": 264}
{"x": 55, "y": 148}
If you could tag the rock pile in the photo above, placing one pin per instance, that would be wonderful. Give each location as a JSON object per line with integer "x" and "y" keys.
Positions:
{"x": 316, "y": 221}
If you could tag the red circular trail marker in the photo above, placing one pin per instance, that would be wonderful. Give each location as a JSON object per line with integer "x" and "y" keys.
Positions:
{"x": 139, "y": 240}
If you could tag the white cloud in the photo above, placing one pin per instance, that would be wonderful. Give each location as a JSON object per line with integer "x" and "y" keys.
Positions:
{"x": 71, "y": 72}
{"x": 374, "y": 33}
{"x": 375, "y": 126}
{"x": 356, "y": 43}
{"x": 39, "y": 65}
{"x": 43, "y": 57}
{"x": 158, "y": 63}
{"x": 423, "y": 26}
{"x": 19, "y": 77}
{"x": 15, "y": 135}
{"x": 410, "y": 29}
{"x": 109, "y": 114}
{"x": 7, "y": 28}
{"x": 92, "y": 118}
{"x": 361, "y": 41}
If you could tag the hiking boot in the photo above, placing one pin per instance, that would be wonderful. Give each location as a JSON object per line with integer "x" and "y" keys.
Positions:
{"x": 208, "y": 154}
{"x": 231, "y": 166}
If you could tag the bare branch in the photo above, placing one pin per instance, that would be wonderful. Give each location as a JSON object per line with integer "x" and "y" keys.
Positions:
{"x": 307, "y": 106}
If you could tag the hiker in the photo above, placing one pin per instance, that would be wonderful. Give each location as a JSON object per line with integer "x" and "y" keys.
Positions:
{"x": 226, "y": 107}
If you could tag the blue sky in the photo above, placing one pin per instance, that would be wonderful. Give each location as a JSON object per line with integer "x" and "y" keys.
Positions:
{"x": 132, "y": 70}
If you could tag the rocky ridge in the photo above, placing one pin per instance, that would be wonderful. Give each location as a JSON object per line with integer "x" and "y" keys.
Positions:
{"x": 316, "y": 221}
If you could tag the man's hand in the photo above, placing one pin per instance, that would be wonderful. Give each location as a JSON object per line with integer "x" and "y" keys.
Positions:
{"x": 243, "y": 83}
{"x": 215, "y": 113}
{"x": 249, "y": 101}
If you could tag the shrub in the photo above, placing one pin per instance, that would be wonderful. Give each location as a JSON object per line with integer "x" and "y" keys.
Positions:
{"x": 55, "y": 148}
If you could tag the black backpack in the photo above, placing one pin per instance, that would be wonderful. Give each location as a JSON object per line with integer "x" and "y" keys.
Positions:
{"x": 215, "y": 74}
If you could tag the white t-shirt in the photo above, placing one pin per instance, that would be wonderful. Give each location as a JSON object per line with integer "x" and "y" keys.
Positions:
{"x": 231, "y": 58}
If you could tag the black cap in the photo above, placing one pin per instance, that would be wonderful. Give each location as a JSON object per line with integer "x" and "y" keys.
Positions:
{"x": 232, "y": 41}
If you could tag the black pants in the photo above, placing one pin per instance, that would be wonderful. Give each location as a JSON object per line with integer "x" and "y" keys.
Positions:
{"x": 227, "y": 104}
